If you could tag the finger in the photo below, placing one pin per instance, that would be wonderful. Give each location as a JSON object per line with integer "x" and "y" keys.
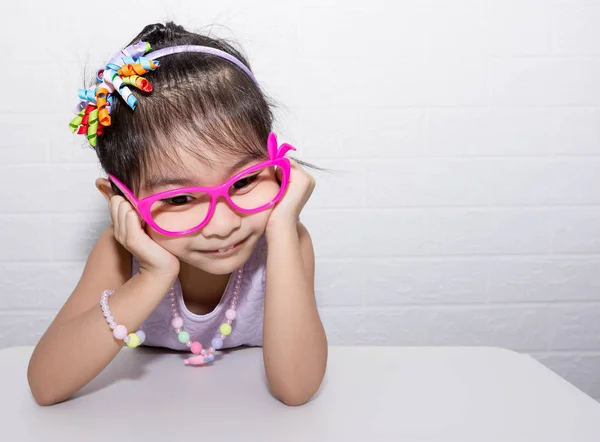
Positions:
{"x": 294, "y": 166}
{"x": 113, "y": 207}
{"x": 132, "y": 225}
{"x": 124, "y": 207}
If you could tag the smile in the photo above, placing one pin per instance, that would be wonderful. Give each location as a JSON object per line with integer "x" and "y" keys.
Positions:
{"x": 224, "y": 250}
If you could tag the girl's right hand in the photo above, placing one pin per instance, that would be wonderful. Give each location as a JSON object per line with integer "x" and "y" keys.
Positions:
{"x": 129, "y": 231}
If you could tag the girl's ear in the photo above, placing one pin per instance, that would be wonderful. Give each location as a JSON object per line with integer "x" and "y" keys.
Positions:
{"x": 105, "y": 188}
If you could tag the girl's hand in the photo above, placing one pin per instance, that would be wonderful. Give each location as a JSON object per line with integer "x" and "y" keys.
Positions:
{"x": 129, "y": 232}
{"x": 297, "y": 194}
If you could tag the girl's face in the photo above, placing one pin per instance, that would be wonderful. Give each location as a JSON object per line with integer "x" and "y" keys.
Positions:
{"x": 226, "y": 242}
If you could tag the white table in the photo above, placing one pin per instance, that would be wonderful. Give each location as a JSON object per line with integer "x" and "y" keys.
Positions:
{"x": 369, "y": 394}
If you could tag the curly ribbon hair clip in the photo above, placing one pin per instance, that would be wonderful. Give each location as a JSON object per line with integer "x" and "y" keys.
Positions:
{"x": 123, "y": 70}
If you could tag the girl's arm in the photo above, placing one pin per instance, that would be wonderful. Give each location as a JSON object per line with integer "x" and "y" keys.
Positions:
{"x": 79, "y": 343}
{"x": 294, "y": 341}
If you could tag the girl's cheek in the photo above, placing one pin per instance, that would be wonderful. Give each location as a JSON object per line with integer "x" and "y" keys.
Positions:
{"x": 263, "y": 218}
{"x": 157, "y": 237}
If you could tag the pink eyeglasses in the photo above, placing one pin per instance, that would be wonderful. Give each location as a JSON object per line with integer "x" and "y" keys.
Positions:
{"x": 184, "y": 210}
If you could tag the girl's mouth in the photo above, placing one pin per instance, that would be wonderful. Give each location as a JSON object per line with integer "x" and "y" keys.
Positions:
{"x": 226, "y": 251}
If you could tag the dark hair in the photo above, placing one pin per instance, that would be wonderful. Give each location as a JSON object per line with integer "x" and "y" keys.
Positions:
{"x": 198, "y": 101}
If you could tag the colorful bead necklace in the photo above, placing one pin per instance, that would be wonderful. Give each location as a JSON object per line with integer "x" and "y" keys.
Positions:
{"x": 204, "y": 355}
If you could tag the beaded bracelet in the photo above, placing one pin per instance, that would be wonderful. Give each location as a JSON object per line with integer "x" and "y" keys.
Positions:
{"x": 120, "y": 331}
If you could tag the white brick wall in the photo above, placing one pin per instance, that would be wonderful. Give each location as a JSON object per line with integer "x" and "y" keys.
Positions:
{"x": 463, "y": 206}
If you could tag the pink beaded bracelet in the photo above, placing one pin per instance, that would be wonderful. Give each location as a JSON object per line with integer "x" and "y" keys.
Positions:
{"x": 120, "y": 331}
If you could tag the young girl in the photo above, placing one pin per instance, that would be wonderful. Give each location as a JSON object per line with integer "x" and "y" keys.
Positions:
{"x": 205, "y": 250}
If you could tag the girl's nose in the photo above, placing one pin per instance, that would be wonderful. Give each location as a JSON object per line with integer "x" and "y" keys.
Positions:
{"x": 223, "y": 222}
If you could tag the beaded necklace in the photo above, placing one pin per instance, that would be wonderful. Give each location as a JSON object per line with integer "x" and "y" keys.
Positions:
{"x": 204, "y": 355}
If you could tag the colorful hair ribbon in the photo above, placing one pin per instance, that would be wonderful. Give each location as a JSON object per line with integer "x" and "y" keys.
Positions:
{"x": 123, "y": 70}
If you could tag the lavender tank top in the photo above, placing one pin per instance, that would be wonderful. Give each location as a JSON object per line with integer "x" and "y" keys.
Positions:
{"x": 247, "y": 327}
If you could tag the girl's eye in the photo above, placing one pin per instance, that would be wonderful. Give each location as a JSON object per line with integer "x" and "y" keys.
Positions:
{"x": 246, "y": 181}
{"x": 178, "y": 200}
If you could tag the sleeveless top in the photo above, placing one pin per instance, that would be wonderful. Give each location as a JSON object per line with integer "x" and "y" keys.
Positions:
{"x": 247, "y": 327}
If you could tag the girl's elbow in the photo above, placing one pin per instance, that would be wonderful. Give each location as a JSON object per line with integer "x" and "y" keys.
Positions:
{"x": 294, "y": 395}
{"x": 43, "y": 396}
{"x": 40, "y": 395}
{"x": 292, "y": 398}
{"x": 43, "y": 401}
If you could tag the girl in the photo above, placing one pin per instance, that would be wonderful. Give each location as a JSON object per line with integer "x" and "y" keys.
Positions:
{"x": 205, "y": 250}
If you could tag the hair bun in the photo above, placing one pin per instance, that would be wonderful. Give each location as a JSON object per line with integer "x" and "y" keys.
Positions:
{"x": 158, "y": 33}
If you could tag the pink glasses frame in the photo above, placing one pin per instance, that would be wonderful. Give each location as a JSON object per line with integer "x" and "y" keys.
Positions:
{"x": 276, "y": 158}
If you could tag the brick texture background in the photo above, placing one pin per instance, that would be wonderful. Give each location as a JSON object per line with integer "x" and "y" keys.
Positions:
{"x": 462, "y": 138}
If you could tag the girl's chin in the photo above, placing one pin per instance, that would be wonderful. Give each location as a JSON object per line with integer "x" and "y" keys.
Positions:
{"x": 220, "y": 268}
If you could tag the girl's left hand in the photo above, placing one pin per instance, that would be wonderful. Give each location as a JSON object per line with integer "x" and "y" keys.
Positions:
{"x": 297, "y": 194}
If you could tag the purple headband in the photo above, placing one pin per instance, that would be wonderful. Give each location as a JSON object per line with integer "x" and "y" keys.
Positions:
{"x": 123, "y": 70}
{"x": 206, "y": 50}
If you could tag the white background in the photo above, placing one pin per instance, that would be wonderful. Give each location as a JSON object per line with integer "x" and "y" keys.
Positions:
{"x": 463, "y": 207}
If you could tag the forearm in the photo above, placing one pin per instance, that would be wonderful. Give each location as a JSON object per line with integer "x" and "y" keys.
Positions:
{"x": 294, "y": 342}
{"x": 70, "y": 355}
